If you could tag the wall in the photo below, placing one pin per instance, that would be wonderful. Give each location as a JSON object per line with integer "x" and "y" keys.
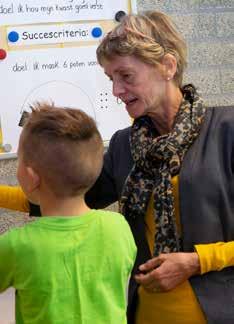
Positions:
{"x": 208, "y": 27}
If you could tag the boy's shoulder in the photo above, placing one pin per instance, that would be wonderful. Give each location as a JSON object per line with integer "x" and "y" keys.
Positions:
{"x": 111, "y": 217}
{"x": 11, "y": 240}
{"x": 112, "y": 221}
{"x": 19, "y": 232}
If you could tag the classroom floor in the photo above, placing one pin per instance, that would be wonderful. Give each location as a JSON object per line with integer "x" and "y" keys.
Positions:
{"x": 7, "y": 307}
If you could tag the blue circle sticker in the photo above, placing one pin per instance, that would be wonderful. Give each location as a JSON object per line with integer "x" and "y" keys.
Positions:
{"x": 13, "y": 36}
{"x": 96, "y": 32}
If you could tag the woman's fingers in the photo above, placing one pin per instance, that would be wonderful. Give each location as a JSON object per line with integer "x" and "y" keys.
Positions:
{"x": 151, "y": 264}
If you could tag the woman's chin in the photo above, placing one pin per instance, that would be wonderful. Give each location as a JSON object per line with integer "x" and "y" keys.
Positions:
{"x": 134, "y": 112}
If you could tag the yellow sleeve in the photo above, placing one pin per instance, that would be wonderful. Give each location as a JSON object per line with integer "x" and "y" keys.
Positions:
{"x": 13, "y": 198}
{"x": 215, "y": 256}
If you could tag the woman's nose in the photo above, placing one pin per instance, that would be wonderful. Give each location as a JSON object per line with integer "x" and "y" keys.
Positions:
{"x": 117, "y": 89}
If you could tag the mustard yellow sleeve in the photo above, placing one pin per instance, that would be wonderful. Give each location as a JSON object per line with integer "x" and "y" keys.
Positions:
{"x": 13, "y": 198}
{"x": 215, "y": 256}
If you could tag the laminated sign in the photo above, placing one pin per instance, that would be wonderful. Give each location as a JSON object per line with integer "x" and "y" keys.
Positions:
{"x": 48, "y": 53}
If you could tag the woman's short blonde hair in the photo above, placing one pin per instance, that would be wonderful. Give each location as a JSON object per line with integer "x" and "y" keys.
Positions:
{"x": 147, "y": 36}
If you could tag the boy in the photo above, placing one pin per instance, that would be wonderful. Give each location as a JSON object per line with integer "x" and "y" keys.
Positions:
{"x": 71, "y": 265}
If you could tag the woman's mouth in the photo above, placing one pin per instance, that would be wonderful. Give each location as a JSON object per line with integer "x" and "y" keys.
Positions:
{"x": 130, "y": 102}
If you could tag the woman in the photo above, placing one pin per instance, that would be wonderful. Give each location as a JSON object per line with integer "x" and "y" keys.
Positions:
{"x": 172, "y": 173}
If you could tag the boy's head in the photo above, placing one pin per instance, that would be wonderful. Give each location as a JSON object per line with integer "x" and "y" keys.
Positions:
{"x": 60, "y": 148}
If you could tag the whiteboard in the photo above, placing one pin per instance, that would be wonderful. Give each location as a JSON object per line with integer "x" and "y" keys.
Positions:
{"x": 48, "y": 53}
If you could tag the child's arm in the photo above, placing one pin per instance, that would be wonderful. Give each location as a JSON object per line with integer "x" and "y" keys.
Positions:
{"x": 6, "y": 262}
{"x": 13, "y": 198}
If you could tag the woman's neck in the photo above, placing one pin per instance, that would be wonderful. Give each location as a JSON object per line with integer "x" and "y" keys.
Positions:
{"x": 164, "y": 116}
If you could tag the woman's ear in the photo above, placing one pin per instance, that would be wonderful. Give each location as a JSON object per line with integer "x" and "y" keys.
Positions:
{"x": 169, "y": 63}
{"x": 33, "y": 179}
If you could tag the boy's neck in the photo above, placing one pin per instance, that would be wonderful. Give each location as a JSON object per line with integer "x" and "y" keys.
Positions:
{"x": 69, "y": 206}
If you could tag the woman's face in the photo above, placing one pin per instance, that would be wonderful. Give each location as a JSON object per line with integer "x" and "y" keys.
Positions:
{"x": 139, "y": 85}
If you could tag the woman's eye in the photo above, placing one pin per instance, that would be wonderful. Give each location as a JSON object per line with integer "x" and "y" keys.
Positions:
{"x": 127, "y": 77}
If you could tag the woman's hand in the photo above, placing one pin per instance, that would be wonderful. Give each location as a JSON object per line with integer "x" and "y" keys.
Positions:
{"x": 167, "y": 271}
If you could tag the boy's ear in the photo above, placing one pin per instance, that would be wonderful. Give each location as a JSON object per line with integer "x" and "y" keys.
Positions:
{"x": 33, "y": 179}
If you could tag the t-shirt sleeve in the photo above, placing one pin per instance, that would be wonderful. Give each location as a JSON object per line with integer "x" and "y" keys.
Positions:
{"x": 215, "y": 256}
{"x": 6, "y": 262}
{"x": 131, "y": 244}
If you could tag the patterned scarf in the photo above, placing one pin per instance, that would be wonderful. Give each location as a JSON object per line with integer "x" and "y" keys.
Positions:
{"x": 156, "y": 160}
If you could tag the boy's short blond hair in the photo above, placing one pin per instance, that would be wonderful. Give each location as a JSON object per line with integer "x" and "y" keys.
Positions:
{"x": 147, "y": 36}
{"x": 64, "y": 147}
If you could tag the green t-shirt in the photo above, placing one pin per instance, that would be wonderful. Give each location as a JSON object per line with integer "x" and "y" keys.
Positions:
{"x": 69, "y": 270}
